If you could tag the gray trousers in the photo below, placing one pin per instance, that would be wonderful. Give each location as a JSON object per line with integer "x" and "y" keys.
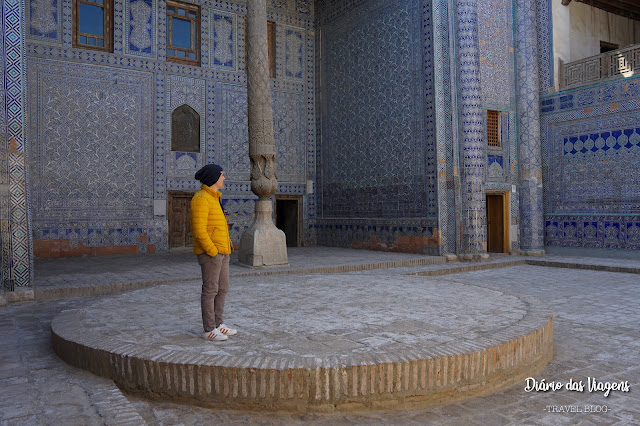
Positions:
{"x": 215, "y": 284}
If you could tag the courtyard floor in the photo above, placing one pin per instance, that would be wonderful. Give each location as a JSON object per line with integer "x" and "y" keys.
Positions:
{"x": 597, "y": 313}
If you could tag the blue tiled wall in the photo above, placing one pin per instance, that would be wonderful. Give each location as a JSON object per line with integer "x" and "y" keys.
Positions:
{"x": 377, "y": 147}
{"x": 591, "y": 140}
{"x": 99, "y": 123}
{"x": 373, "y": 120}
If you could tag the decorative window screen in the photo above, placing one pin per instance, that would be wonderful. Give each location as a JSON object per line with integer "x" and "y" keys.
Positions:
{"x": 183, "y": 33}
{"x": 93, "y": 24}
{"x": 493, "y": 128}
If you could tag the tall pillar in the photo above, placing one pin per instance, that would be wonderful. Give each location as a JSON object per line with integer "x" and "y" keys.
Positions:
{"x": 262, "y": 244}
{"x": 16, "y": 269}
{"x": 446, "y": 132}
{"x": 528, "y": 113}
{"x": 472, "y": 146}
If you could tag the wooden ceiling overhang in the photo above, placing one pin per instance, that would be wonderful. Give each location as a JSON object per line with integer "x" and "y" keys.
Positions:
{"x": 627, "y": 8}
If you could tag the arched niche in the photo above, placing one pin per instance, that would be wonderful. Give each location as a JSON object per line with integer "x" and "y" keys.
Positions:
{"x": 185, "y": 129}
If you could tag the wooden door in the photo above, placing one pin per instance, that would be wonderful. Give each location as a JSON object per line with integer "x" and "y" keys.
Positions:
{"x": 495, "y": 223}
{"x": 179, "y": 223}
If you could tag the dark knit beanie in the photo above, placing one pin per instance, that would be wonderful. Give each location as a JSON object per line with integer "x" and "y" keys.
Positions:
{"x": 209, "y": 174}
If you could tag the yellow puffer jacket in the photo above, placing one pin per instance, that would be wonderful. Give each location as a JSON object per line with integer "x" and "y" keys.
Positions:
{"x": 208, "y": 224}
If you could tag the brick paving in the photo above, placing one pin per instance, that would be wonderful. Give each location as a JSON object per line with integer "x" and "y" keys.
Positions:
{"x": 596, "y": 335}
{"x": 312, "y": 340}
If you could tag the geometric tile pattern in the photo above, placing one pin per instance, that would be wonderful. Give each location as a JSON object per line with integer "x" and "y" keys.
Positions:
{"x": 429, "y": 109}
{"x": 13, "y": 25}
{"x": 373, "y": 50}
{"x": 361, "y": 189}
{"x": 591, "y": 146}
{"x": 595, "y": 166}
{"x": 99, "y": 233}
{"x": 445, "y": 132}
{"x": 67, "y": 26}
{"x": 612, "y": 231}
{"x": 159, "y": 140}
{"x": 495, "y": 34}
{"x": 91, "y": 142}
{"x": 310, "y": 201}
{"x": 594, "y": 200}
{"x": 385, "y": 234}
{"x": 513, "y": 180}
{"x": 527, "y": 91}
{"x": 473, "y": 144}
{"x": 91, "y": 154}
{"x": 139, "y": 53}
{"x": 289, "y": 134}
{"x": 544, "y": 35}
{"x": 5, "y": 218}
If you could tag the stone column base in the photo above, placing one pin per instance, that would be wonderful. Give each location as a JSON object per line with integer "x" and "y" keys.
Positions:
{"x": 474, "y": 257}
{"x": 263, "y": 244}
{"x": 532, "y": 252}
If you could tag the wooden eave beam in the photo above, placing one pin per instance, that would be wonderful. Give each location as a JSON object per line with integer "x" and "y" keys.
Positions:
{"x": 627, "y": 8}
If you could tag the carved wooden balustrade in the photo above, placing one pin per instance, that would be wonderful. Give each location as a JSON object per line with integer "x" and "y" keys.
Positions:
{"x": 606, "y": 66}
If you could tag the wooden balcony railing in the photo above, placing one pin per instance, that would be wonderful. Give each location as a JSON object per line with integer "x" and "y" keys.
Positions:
{"x": 606, "y": 66}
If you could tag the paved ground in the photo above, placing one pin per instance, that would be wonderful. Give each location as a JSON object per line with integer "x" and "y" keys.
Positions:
{"x": 596, "y": 335}
{"x": 304, "y": 317}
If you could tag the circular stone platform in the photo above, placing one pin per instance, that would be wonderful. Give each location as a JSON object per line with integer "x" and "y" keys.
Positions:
{"x": 313, "y": 342}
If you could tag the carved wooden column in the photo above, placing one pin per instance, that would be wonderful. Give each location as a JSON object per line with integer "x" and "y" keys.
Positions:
{"x": 262, "y": 244}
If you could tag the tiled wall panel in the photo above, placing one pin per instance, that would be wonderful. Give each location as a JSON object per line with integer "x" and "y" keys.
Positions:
{"x": 100, "y": 123}
{"x": 373, "y": 122}
{"x": 591, "y": 141}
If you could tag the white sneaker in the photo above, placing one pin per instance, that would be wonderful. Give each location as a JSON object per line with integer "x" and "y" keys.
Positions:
{"x": 227, "y": 331}
{"x": 214, "y": 334}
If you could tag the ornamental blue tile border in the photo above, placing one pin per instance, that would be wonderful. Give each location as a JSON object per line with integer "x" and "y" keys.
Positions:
{"x": 13, "y": 20}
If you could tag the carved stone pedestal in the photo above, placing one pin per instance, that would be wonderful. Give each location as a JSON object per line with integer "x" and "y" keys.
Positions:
{"x": 263, "y": 244}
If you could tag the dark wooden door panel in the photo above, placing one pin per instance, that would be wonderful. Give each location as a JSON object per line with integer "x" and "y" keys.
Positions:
{"x": 495, "y": 224}
{"x": 179, "y": 220}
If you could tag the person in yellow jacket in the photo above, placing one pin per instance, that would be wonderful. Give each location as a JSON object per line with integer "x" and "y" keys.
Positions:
{"x": 212, "y": 246}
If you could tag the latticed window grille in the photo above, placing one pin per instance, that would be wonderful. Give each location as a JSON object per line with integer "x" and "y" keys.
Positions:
{"x": 493, "y": 128}
{"x": 93, "y": 24}
{"x": 183, "y": 33}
